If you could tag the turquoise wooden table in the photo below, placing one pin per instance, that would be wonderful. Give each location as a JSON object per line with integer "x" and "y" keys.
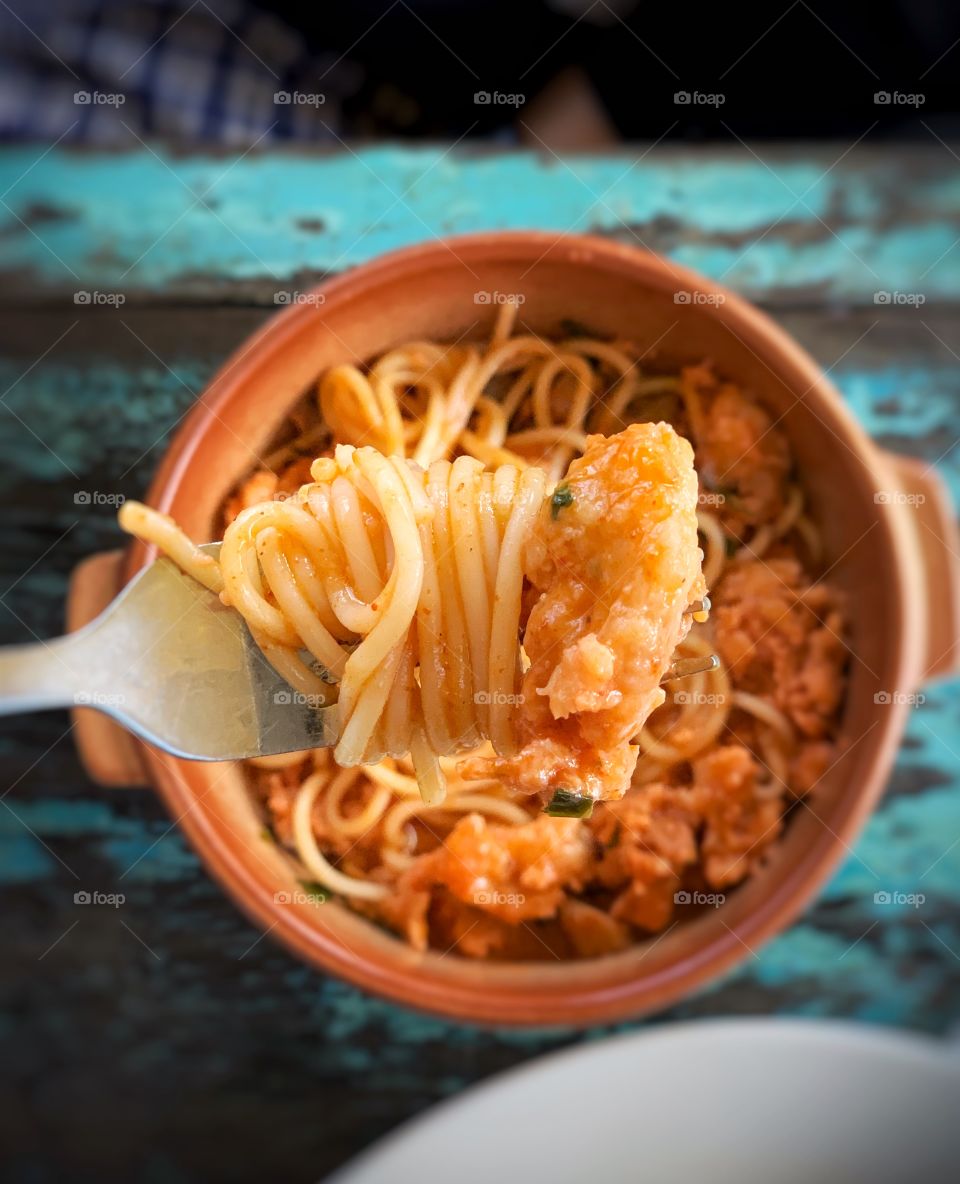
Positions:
{"x": 166, "y": 1040}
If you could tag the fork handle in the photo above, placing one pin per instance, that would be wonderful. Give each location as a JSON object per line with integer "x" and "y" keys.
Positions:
{"x": 43, "y": 675}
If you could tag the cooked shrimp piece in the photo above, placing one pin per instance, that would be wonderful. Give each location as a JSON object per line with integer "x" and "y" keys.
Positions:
{"x": 615, "y": 562}
{"x": 514, "y": 873}
{"x": 741, "y": 453}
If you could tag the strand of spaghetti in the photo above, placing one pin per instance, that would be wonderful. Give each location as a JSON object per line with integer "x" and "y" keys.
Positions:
{"x": 426, "y": 765}
{"x": 430, "y": 442}
{"x": 603, "y": 351}
{"x": 354, "y": 613}
{"x": 404, "y": 785}
{"x": 490, "y": 421}
{"x": 361, "y": 560}
{"x": 511, "y": 355}
{"x": 291, "y": 667}
{"x": 693, "y": 403}
{"x": 397, "y": 861}
{"x": 503, "y": 660}
{"x": 489, "y": 529}
{"x": 767, "y": 713}
{"x": 767, "y": 535}
{"x": 445, "y": 373}
{"x": 292, "y": 603}
{"x": 562, "y": 366}
{"x": 462, "y": 396}
{"x": 520, "y": 389}
{"x": 400, "y": 814}
{"x": 402, "y": 708}
{"x": 577, "y": 374}
{"x": 629, "y": 390}
{"x": 389, "y": 409}
{"x": 702, "y": 715}
{"x": 309, "y": 852}
{"x": 505, "y": 482}
{"x": 487, "y": 439}
{"x": 307, "y": 442}
{"x": 431, "y": 609}
{"x": 506, "y": 318}
{"x": 543, "y": 437}
{"x": 349, "y": 405}
{"x": 269, "y": 626}
{"x": 471, "y": 575}
{"x": 311, "y": 584}
{"x": 387, "y": 775}
{"x": 362, "y": 415}
{"x": 350, "y": 826}
{"x": 811, "y": 537}
{"x": 716, "y": 549}
{"x": 776, "y": 763}
{"x": 243, "y": 585}
{"x": 372, "y": 667}
{"x": 489, "y": 454}
{"x": 284, "y": 760}
{"x": 163, "y": 532}
{"x": 452, "y": 655}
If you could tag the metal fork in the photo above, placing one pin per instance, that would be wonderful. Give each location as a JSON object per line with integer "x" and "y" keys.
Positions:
{"x": 170, "y": 663}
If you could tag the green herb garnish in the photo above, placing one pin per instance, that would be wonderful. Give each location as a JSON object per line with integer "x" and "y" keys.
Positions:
{"x": 314, "y": 888}
{"x": 567, "y": 803}
{"x": 562, "y": 496}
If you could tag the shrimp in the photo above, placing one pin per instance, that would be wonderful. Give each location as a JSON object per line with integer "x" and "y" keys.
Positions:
{"x": 614, "y": 563}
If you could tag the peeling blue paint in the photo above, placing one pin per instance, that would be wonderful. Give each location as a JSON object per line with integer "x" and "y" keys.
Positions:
{"x": 23, "y": 859}
{"x": 246, "y": 225}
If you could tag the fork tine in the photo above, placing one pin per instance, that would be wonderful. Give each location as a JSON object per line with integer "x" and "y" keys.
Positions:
{"x": 698, "y": 609}
{"x": 684, "y": 667}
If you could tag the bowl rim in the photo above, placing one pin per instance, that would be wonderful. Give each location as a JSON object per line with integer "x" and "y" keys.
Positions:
{"x": 557, "y": 1001}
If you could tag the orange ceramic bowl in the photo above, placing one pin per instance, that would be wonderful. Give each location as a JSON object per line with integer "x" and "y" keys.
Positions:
{"x": 903, "y": 599}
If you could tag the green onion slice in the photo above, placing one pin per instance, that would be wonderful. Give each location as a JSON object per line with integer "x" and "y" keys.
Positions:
{"x": 567, "y": 803}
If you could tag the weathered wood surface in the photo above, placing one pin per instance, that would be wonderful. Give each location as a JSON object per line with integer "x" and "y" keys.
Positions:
{"x": 162, "y": 1040}
{"x": 777, "y": 225}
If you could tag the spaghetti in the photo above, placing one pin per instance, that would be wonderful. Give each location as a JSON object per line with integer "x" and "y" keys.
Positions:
{"x": 480, "y": 870}
{"x": 403, "y": 586}
{"x": 403, "y": 583}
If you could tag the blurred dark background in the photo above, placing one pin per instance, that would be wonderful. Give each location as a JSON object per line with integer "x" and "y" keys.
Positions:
{"x": 569, "y": 73}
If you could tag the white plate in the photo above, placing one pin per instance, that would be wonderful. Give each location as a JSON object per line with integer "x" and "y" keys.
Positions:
{"x": 719, "y": 1102}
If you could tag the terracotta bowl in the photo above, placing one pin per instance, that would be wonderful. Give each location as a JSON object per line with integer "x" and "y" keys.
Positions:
{"x": 901, "y": 581}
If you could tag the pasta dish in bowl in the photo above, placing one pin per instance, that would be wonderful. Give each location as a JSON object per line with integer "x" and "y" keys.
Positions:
{"x": 541, "y": 471}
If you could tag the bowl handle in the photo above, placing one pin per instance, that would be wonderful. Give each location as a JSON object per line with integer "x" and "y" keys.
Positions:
{"x": 109, "y": 754}
{"x": 939, "y": 539}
